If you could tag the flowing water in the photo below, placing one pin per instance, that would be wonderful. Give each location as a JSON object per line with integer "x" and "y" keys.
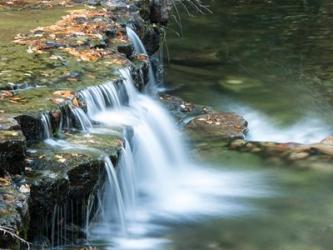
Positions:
{"x": 270, "y": 61}
{"x": 157, "y": 185}
{"x": 164, "y": 195}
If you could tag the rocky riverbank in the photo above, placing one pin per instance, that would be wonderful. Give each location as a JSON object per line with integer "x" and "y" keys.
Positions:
{"x": 48, "y": 192}
{"x": 45, "y": 191}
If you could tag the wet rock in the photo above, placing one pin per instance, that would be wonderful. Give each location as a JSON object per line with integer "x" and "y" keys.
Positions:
{"x": 126, "y": 49}
{"x": 14, "y": 215}
{"x": 316, "y": 156}
{"x": 94, "y": 2}
{"x": 181, "y": 110}
{"x": 151, "y": 39}
{"x": 82, "y": 49}
{"x": 40, "y": 242}
{"x": 218, "y": 125}
{"x": 237, "y": 143}
{"x": 7, "y": 122}
{"x": 32, "y": 127}
{"x": 63, "y": 183}
{"x": 12, "y": 152}
{"x": 140, "y": 72}
{"x": 144, "y": 9}
{"x": 160, "y": 11}
{"x": 294, "y": 156}
{"x": 110, "y": 145}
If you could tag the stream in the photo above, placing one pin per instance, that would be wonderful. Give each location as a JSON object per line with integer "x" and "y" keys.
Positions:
{"x": 267, "y": 60}
{"x": 270, "y": 61}
{"x": 260, "y": 60}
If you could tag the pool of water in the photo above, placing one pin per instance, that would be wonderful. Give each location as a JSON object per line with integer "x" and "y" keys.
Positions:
{"x": 272, "y": 62}
{"x": 268, "y": 60}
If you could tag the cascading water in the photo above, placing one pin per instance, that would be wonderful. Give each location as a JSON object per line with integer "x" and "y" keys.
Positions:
{"x": 81, "y": 118}
{"x": 140, "y": 49}
{"x": 261, "y": 128}
{"x": 47, "y": 129}
{"x": 154, "y": 181}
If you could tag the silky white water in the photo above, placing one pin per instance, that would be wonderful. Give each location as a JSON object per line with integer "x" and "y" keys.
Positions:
{"x": 155, "y": 184}
{"x": 309, "y": 129}
{"x": 139, "y": 48}
{"x": 47, "y": 129}
{"x": 158, "y": 183}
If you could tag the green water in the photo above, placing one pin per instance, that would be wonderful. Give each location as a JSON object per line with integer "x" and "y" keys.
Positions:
{"x": 298, "y": 215}
{"x": 274, "y": 57}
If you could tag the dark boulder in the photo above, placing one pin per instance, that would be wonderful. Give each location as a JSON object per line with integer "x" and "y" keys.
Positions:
{"x": 32, "y": 127}
{"x": 160, "y": 11}
{"x": 12, "y": 147}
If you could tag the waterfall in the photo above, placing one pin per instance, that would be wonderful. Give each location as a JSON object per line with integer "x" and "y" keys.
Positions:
{"x": 113, "y": 204}
{"x": 154, "y": 179}
{"x": 81, "y": 118}
{"x": 137, "y": 43}
{"x": 46, "y": 123}
{"x": 140, "y": 49}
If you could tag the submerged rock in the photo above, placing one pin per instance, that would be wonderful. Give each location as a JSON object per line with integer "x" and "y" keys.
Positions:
{"x": 218, "y": 125}
{"x": 239, "y": 83}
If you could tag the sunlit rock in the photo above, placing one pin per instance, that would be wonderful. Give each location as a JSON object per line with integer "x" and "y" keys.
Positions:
{"x": 218, "y": 126}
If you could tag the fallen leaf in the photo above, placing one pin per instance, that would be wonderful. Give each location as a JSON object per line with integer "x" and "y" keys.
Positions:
{"x": 75, "y": 102}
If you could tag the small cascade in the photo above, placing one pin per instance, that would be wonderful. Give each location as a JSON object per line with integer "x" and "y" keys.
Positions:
{"x": 113, "y": 207}
{"x": 157, "y": 119}
{"x": 155, "y": 158}
{"x": 127, "y": 177}
{"x": 47, "y": 128}
{"x": 81, "y": 119}
{"x": 99, "y": 98}
{"x": 310, "y": 129}
{"x": 140, "y": 49}
{"x": 137, "y": 43}
{"x": 154, "y": 180}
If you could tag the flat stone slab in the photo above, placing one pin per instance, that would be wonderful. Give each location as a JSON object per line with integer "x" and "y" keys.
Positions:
{"x": 182, "y": 110}
{"x": 219, "y": 125}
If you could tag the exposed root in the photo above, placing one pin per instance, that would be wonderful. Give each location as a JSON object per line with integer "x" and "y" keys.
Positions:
{"x": 190, "y": 6}
{"x": 196, "y": 5}
{"x": 11, "y": 233}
